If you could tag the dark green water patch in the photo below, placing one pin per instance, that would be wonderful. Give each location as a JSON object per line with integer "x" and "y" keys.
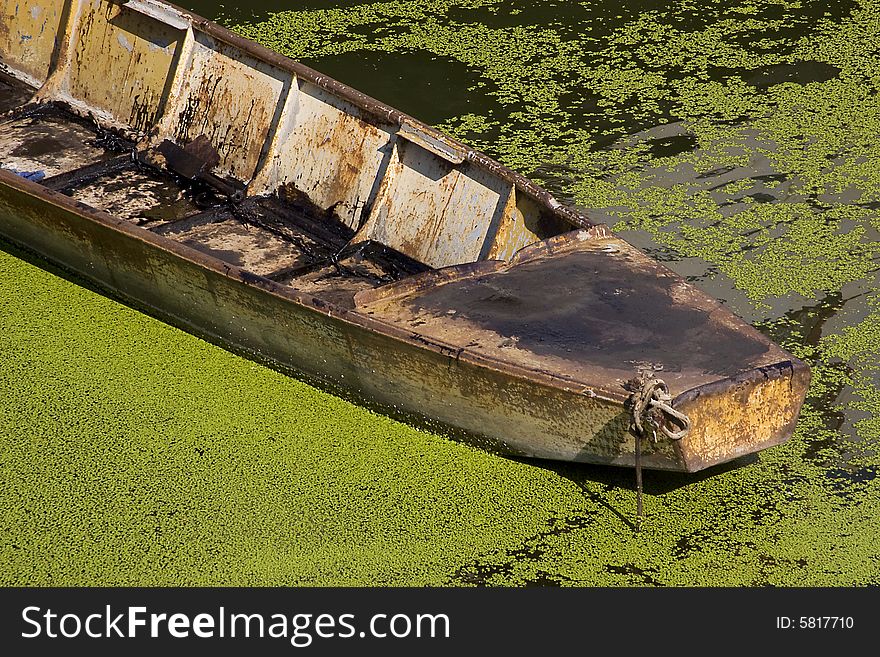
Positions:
{"x": 802, "y": 72}
{"x": 671, "y": 146}
{"x": 256, "y": 10}
{"x": 430, "y": 88}
{"x": 565, "y": 17}
{"x": 803, "y": 325}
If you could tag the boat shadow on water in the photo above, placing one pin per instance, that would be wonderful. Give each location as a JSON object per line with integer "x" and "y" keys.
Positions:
{"x": 609, "y": 478}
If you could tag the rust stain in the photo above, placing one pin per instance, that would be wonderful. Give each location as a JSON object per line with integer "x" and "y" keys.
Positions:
{"x": 144, "y": 111}
{"x": 332, "y": 156}
{"x": 231, "y": 110}
{"x": 743, "y": 414}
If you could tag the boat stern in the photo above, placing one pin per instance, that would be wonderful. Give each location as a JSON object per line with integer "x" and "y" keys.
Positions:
{"x": 740, "y": 415}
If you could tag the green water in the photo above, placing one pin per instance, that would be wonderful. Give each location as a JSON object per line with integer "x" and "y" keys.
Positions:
{"x": 737, "y": 142}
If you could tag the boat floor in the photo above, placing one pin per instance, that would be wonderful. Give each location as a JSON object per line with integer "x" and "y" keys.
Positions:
{"x": 12, "y": 92}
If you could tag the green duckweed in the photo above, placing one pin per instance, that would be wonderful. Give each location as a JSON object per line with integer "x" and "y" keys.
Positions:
{"x": 737, "y": 142}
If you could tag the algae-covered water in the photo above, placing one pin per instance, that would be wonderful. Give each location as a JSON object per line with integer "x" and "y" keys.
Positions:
{"x": 736, "y": 141}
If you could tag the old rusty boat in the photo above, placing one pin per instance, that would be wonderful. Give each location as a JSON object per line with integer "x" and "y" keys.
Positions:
{"x": 247, "y": 197}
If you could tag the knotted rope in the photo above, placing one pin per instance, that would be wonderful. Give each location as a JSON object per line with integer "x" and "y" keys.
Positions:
{"x": 650, "y": 402}
{"x": 651, "y": 407}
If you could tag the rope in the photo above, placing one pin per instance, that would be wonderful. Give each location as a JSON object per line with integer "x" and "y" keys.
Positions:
{"x": 650, "y": 402}
{"x": 651, "y": 406}
{"x": 639, "y": 512}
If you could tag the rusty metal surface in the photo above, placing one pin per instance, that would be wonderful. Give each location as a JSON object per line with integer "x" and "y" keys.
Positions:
{"x": 365, "y": 268}
{"x": 89, "y": 173}
{"x": 325, "y": 148}
{"x": 183, "y": 74}
{"x": 196, "y": 162}
{"x": 446, "y": 148}
{"x": 249, "y": 247}
{"x": 189, "y": 161}
{"x": 386, "y": 114}
{"x": 742, "y": 414}
{"x": 435, "y": 211}
{"x": 158, "y": 10}
{"x": 524, "y": 222}
{"x": 274, "y": 240}
{"x": 230, "y": 97}
{"x": 27, "y": 36}
{"x": 611, "y": 310}
{"x": 122, "y": 63}
{"x": 68, "y": 155}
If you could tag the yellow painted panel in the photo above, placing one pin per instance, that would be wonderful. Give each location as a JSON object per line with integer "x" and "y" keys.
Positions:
{"x": 331, "y": 154}
{"x": 27, "y": 35}
{"x": 122, "y": 63}
{"x": 232, "y": 99}
{"x": 434, "y": 211}
{"x": 524, "y": 222}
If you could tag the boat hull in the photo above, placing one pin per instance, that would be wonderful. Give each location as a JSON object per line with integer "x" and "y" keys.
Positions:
{"x": 520, "y": 412}
{"x": 257, "y": 202}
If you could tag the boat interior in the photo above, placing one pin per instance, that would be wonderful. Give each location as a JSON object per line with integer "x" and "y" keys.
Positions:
{"x": 139, "y": 109}
{"x": 142, "y": 110}
{"x": 331, "y": 249}
{"x": 283, "y": 236}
